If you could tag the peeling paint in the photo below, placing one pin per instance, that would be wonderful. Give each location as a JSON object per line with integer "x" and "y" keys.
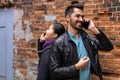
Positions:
{"x": 19, "y": 75}
{"x": 50, "y": 17}
{"x": 28, "y": 33}
{"x": 15, "y": 49}
{"x": 20, "y": 33}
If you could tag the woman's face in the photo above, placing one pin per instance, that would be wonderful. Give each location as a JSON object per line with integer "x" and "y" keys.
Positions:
{"x": 50, "y": 33}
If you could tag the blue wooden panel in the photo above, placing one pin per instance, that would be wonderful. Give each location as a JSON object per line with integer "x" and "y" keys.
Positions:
{"x": 10, "y": 25}
{"x": 3, "y": 47}
{"x": 6, "y": 44}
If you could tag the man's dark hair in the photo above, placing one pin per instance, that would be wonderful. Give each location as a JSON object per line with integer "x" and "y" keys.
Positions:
{"x": 70, "y": 9}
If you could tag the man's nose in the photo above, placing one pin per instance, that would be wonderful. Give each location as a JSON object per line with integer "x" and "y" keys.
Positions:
{"x": 80, "y": 19}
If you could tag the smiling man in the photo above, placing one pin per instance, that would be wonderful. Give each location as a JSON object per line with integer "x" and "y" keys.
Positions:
{"x": 74, "y": 55}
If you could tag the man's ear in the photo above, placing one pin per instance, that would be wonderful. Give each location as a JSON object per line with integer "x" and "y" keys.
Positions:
{"x": 67, "y": 18}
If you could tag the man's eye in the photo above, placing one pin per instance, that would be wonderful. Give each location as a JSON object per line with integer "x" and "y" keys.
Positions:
{"x": 82, "y": 16}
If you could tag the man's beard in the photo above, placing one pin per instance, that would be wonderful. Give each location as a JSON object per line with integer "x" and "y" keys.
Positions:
{"x": 76, "y": 26}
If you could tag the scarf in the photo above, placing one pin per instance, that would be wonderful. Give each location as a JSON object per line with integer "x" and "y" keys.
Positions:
{"x": 48, "y": 42}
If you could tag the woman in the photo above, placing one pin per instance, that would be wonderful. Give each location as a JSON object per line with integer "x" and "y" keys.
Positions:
{"x": 44, "y": 46}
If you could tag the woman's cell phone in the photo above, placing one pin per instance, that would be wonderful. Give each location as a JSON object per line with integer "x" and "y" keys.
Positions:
{"x": 44, "y": 33}
{"x": 85, "y": 25}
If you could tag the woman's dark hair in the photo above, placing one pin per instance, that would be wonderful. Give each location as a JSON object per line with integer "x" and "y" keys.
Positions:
{"x": 70, "y": 9}
{"x": 58, "y": 28}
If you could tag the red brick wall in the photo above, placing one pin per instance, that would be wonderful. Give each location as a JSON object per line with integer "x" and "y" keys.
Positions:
{"x": 31, "y": 23}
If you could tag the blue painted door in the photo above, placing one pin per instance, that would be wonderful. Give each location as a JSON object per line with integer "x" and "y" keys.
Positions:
{"x": 6, "y": 44}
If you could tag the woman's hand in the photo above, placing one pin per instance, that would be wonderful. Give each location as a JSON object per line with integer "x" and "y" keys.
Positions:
{"x": 42, "y": 37}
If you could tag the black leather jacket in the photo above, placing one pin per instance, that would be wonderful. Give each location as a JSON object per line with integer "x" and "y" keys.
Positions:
{"x": 64, "y": 55}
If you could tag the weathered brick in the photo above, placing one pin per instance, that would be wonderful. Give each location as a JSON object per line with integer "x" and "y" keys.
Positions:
{"x": 95, "y": 10}
{"x": 40, "y": 7}
{"x": 107, "y": 5}
{"x": 111, "y": 9}
{"x": 118, "y": 8}
{"x": 27, "y": 3}
{"x": 99, "y": 6}
{"x": 110, "y": 1}
{"x": 116, "y": 4}
{"x": 90, "y": 6}
{"x": 116, "y": 14}
{"x": 98, "y": 1}
{"x": 119, "y": 19}
{"x": 112, "y": 19}
{"x": 50, "y": 0}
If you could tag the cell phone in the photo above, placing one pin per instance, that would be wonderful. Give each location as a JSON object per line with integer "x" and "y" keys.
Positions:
{"x": 85, "y": 25}
{"x": 44, "y": 33}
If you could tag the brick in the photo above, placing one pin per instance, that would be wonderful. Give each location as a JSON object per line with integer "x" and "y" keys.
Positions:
{"x": 15, "y": 1}
{"x": 101, "y": 28}
{"x": 111, "y": 61}
{"x": 97, "y": 1}
{"x": 50, "y": 0}
{"x": 107, "y": 5}
{"x": 90, "y": 15}
{"x": 40, "y": 7}
{"x": 109, "y": 29}
{"x": 117, "y": 47}
{"x": 102, "y": 56}
{"x": 88, "y": 11}
{"x": 34, "y": 51}
{"x": 117, "y": 56}
{"x": 36, "y": 29}
{"x": 116, "y": 23}
{"x": 95, "y": 10}
{"x": 112, "y": 37}
{"x": 107, "y": 70}
{"x": 27, "y": 3}
{"x": 33, "y": 44}
{"x": 34, "y": 56}
{"x": 116, "y": 14}
{"x": 111, "y": 9}
{"x": 119, "y": 19}
{"x": 104, "y": 24}
{"x": 90, "y": 6}
{"x": 110, "y": 1}
{"x": 58, "y": 4}
{"x": 110, "y": 56}
{"x": 112, "y": 19}
{"x": 103, "y": 10}
{"x": 116, "y": 4}
{"x": 26, "y": 14}
{"x": 116, "y": 43}
{"x": 116, "y": 51}
{"x": 108, "y": 76}
{"x": 117, "y": 71}
{"x": 99, "y": 6}
{"x": 118, "y": 8}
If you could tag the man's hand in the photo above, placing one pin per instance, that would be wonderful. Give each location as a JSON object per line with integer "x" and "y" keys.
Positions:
{"x": 82, "y": 63}
{"x": 92, "y": 27}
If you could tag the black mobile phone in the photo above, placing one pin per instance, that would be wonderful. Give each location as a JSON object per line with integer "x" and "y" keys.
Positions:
{"x": 85, "y": 25}
{"x": 44, "y": 33}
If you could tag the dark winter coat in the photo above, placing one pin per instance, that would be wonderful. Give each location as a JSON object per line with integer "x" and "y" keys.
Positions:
{"x": 43, "y": 71}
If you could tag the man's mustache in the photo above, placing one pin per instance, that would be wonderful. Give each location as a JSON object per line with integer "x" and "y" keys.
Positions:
{"x": 79, "y": 22}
